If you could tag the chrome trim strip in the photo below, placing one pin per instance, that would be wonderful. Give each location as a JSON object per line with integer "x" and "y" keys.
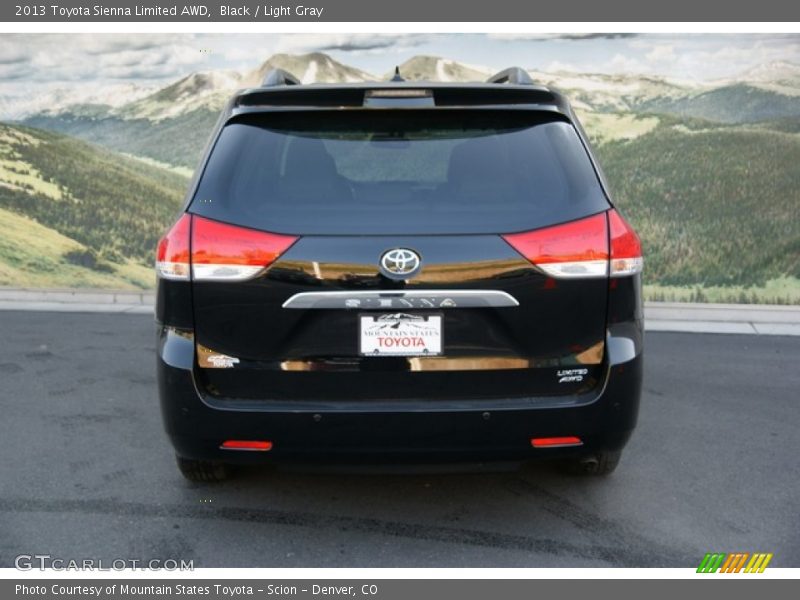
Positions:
{"x": 400, "y": 299}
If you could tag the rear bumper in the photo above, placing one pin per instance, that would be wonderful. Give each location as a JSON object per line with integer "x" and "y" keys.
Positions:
{"x": 420, "y": 432}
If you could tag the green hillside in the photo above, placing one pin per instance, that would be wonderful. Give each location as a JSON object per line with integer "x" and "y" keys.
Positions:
{"x": 785, "y": 124}
{"x": 99, "y": 213}
{"x": 177, "y": 141}
{"x": 715, "y": 206}
{"x": 32, "y": 255}
{"x": 730, "y": 104}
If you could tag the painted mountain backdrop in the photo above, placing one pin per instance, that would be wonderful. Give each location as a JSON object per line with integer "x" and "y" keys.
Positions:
{"x": 707, "y": 172}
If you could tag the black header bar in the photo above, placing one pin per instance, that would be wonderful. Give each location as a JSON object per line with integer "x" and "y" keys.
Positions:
{"x": 448, "y": 11}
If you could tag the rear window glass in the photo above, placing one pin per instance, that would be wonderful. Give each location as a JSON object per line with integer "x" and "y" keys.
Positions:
{"x": 386, "y": 172}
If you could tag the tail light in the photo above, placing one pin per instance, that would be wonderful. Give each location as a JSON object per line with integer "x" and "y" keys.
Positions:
{"x": 172, "y": 256}
{"x": 626, "y": 249}
{"x": 217, "y": 251}
{"x": 573, "y": 250}
{"x": 580, "y": 249}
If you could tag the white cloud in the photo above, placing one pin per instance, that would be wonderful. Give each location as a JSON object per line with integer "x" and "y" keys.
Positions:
{"x": 621, "y": 63}
{"x": 661, "y": 53}
{"x": 62, "y": 57}
{"x": 521, "y": 36}
{"x": 355, "y": 43}
{"x": 566, "y": 36}
{"x": 557, "y": 65}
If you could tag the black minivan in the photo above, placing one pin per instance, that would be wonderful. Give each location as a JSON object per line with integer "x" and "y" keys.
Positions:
{"x": 399, "y": 271}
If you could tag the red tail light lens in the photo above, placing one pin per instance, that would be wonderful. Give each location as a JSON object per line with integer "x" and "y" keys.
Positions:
{"x": 257, "y": 445}
{"x": 172, "y": 256}
{"x": 222, "y": 252}
{"x": 626, "y": 249}
{"x": 573, "y": 250}
{"x": 556, "y": 442}
{"x": 219, "y": 252}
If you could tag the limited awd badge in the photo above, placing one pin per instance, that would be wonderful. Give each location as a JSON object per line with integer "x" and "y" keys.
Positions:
{"x": 400, "y": 263}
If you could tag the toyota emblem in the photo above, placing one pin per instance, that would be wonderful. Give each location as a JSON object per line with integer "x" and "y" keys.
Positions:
{"x": 400, "y": 263}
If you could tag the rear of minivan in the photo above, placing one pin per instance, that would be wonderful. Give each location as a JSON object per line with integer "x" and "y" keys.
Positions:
{"x": 414, "y": 283}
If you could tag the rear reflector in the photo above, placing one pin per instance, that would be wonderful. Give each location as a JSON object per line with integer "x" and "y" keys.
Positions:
{"x": 255, "y": 445}
{"x": 573, "y": 250}
{"x": 219, "y": 252}
{"x": 222, "y": 252}
{"x": 556, "y": 442}
{"x": 172, "y": 256}
{"x": 626, "y": 249}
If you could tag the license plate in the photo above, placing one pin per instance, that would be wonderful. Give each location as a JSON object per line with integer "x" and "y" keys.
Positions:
{"x": 400, "y": 334}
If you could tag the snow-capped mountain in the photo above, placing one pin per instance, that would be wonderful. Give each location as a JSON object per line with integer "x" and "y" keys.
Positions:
{"x": 776, "y": 72}
{"x": 435, "y": 68}
{"x": 198, "y": 90}
{"x": 596, "y": 91}
{"x": 210, "y": 90}
{"x": 46, "y": 99}
{"x": 314, "y": 67}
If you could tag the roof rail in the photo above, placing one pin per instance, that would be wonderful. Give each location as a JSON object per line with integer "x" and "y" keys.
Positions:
{"x": 514, "y": 75}
{"x": 277, "y": 77}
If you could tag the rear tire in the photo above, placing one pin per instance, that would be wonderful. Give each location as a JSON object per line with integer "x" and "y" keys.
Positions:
{"x": 202, "y": 471}
{"x": 600, "y": 463}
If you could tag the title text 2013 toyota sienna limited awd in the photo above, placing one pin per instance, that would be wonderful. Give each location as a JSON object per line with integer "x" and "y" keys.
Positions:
{"x": 397, "y": 271}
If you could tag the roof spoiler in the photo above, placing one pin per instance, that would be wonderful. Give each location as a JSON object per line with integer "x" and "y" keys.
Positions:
{"x": 513, "y": 75}
{"x": 277, "y": 77}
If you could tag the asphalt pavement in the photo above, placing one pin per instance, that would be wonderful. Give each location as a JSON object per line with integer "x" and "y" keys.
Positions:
{"x": 87, "y": 472}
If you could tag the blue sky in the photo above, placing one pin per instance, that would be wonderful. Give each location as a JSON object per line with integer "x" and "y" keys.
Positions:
{"x": 39, "y": 63}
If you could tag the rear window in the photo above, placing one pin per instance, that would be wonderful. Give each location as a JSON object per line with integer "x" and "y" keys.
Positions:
{"x": 385, "y": 172}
